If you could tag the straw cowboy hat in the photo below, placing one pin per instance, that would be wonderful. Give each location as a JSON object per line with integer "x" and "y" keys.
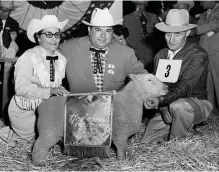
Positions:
{"x": 101, "y": 17}
{"x": 47, "y": 21}
{"x": 176, "y": 21}
{"x": 7, "y": 4}
{"x": 189, "y": 2}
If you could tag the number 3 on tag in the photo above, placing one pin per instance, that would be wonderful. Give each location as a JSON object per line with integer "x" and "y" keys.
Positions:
{"x": 168, "y": 70}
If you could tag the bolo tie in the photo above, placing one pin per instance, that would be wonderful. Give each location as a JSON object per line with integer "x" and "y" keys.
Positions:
{"x": 52, "y": 69}
{"x": 97, "y": 60}
{"x": 1, "y": 25}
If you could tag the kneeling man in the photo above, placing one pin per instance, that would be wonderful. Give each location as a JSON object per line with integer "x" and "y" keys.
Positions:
{"x": 184, "y": 66}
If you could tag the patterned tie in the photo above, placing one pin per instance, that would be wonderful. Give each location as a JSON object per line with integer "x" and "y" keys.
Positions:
{"x": 143, "y": 21}
{"x": 97, "y": 60}
{"x": 52, "y": 69}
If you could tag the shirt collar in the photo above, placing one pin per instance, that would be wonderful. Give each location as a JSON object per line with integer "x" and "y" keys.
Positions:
{"x": 45, "y": 53}
{"x": 107, "y": 49}
{"x": 172, "y": 54}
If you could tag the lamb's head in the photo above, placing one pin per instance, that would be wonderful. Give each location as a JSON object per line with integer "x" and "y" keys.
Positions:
{"x": 150, "y": 84}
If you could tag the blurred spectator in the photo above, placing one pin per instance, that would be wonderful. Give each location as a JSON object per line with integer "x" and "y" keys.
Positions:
{"x": 208, "y": 27}
{"x": 120, "y": 34}
{"x": 8, "y": 31}
{"x": 141, "y": 25}
{"x": 188, "y": 5}
{"x": 160, "y": 8}
{"x": 38, "y": 75}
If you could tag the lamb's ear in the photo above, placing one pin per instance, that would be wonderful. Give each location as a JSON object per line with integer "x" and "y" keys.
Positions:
{"x": 133, "y": 77}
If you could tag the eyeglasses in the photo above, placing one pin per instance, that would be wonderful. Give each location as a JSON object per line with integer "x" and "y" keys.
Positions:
{"x": 50, "y": 35}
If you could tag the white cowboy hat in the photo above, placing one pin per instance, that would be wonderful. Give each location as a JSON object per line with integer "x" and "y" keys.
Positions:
{"x": 176, "y": 21}
{"x": 189, "y": 2}
{"x": 47, "y": 21}
{"x": 101, "y": 17}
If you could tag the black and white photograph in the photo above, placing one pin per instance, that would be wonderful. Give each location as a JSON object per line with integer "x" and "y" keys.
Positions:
{"x": 109, "y": 85}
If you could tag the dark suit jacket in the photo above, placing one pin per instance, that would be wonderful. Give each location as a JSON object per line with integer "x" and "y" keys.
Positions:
{"x": 79, "y": 70}
{"x": 22, "y": 40}
{"x": 142, "y": 47}
{"x": 10, "y": 24}
{"x": 192, "y": 79}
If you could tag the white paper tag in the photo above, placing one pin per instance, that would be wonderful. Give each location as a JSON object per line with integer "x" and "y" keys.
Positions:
{"x": 168, "y": 70}
{"x": 111, "y": 66}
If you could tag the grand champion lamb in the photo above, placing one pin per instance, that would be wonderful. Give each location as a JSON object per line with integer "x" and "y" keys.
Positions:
{"x": 127, "y": 115}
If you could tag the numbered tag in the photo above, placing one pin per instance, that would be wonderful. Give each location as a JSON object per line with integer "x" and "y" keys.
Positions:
{"x": 168, "y": 70}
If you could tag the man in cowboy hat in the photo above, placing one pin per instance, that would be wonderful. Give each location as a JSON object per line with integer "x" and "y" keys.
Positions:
{"x": 184, "y": 67}
{"x": 118, "y": 61}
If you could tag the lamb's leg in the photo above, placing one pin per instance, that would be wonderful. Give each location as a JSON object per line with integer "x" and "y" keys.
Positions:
{"x": 50, "y": 126}
{"x": 120, "y": 141}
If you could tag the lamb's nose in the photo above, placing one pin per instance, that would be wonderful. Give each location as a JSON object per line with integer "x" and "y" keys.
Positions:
{"x": 166, "y": 87}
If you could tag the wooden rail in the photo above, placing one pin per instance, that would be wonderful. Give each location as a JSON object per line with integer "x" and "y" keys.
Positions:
{"x": 7, "y": 69}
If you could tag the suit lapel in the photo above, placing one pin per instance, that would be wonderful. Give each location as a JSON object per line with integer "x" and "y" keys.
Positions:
{"x": 87, "y": 64}
{"x": 180, "y": 55}
{"x": 109, "y": 71}
{"x": 5, "y": 35}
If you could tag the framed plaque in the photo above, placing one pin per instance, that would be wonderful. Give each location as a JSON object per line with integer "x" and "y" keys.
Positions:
{"x": 88, "y": 121}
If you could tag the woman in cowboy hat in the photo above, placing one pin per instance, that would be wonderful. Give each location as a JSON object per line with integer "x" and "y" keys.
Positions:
{"x": 38, "y": 74}
{"x": 184, "y": 67}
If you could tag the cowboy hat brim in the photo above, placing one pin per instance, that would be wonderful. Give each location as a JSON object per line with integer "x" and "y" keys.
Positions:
{"x": 37, "y": 25}
{"x": 102, "y": 25}
{"x": 167, "y": 28}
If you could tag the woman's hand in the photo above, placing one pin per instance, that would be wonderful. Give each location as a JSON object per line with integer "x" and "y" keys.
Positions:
{"x": 60, "y": 91}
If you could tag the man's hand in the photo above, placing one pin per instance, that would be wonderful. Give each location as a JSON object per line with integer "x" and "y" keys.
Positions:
{"x": 13, "y": 35}
{"x": 166, "y": 114}
{"x": 151, "y": 103}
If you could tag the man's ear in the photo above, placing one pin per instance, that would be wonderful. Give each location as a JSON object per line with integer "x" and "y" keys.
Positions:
{"x": 133, "y": 77}
{"x": 89, "y": 28}
{"x": 188, "y": 33}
